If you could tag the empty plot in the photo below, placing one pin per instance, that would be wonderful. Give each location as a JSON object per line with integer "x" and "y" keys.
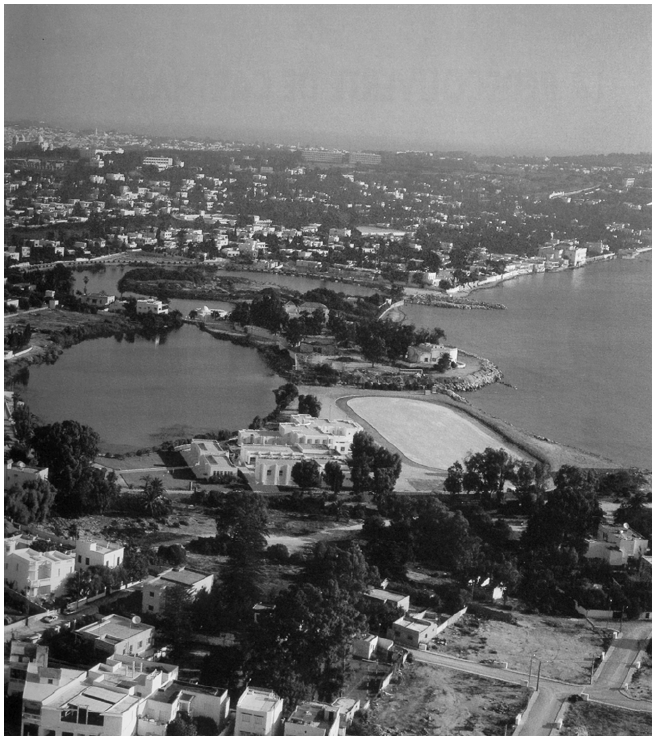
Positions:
{"x": 428, "y": 434}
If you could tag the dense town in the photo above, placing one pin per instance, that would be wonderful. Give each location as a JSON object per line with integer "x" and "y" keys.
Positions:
{"x": 289, "y": 577}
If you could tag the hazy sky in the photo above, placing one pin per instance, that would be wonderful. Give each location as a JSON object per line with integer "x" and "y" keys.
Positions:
{"x": 491, "y": 79}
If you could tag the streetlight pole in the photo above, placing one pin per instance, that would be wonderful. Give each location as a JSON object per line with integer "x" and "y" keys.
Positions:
{"x": 537, "y": 687}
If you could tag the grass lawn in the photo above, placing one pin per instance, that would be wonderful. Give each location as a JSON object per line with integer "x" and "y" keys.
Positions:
{"x": 428, "y": 434}
{"x": 587, "y": 718}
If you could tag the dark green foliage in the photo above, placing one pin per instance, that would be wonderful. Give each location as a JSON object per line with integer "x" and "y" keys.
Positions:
{"x": 285, "y": 395}
{"x": 306, "y": 474}
{"x": 570, "y": 514}
{"x": 486, "y": 473}
{"x": 453, "y": 480}
{"x": 373, "y": 467}
{"x": 347, "y": 567}
{"x": 634, "y": 511}
{"x": 182, "y": 726}
{"x": 177, "y": 617}
{"x": 278, "y": 553}
{"x": 172, "y": 554}
{"x": 29, "y": 502}
{"x": 68, "y": 450}
{"x": 302, "y": 648}
{"x": 309, "y": 405}
{"x": 333, "y": 476}
{"x": 242, "y": 527}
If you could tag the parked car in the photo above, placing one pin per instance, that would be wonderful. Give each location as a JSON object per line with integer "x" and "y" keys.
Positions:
{"x": 49, "y": 619}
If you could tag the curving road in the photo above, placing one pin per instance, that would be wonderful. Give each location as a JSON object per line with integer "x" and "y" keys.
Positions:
{"x": 552, "y": 695}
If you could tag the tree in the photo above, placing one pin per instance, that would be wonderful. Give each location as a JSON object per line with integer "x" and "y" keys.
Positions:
{"x": 373, "y": 348}
{"x": 302, "y": 648}
{"x": 306, "y": 474}
{"x": 182, "y": 725}
{"x": 177, "y": 617}
{"x": 310, "y": 405}
{"x": 386, "y": 467}
{"x": 242, "y": 528}
{"x": 453, "y": 480}
{"x": 634, "y": 511}
{"x": 153, "y": 494}
{"x": 570, "y": 514}
{"x": 333, "y": 476}
{"x": 23, "y": 424}
{"x": 285, "y": 395}
{"x": 68, "y": 450}
{"x": 29, "y": 502}
{"x": 295, "y": 331}
{"x": 363, "y": 449}
{"x": 487, "y": 471}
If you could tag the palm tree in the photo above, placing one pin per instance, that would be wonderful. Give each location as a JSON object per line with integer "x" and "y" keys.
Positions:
{"x": 153, "y": 491}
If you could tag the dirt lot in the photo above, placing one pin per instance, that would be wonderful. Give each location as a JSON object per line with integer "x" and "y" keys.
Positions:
{"x": 587, "y": 718}
{"x": 640, "y": 686}
{"x": 566, "y": 647}
{"x": 437, "y": 701}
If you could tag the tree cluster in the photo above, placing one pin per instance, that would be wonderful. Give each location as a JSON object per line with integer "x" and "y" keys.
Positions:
{"x": 373, "y": 468}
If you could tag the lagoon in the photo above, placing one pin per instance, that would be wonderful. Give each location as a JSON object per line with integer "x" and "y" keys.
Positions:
{"x": 142, "y": 393}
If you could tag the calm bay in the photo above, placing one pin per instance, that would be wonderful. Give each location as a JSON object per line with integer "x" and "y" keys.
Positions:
{"x": 576, "y": 345}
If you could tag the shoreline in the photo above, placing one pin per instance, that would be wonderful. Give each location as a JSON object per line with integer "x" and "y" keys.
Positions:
{"x": 47, "y": 350}
{"x": 538, "y": 447}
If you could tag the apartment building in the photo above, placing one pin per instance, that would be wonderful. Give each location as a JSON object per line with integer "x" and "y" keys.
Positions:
{"x": 161, "y": 163}
{"x": 313, "y": 718}
{"x": 154, "y": 591}
{"x": 364, "y": 158}
{"x": 121, "y": 697}
{"x": 104, "y": 554}
{"x": 36, "y": 573}
{"x": 259, "y": 712}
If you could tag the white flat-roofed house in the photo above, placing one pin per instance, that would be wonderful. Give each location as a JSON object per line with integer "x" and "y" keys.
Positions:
{"x": 18, "y": 473}
{"x": 313, "y": 718}
{"x": 36, "y": 573}
{"x": 431, "y": 353}
{"x": 101, "y": 300}
{"x": 616, "y": 543}
{"x": 123, "y": 696}
{"x": 207, "y": 458}
{"x": 114, "y": 634}
{"x": 151, "y": 306}
{"x": 413, "y": 631}
{"x": 154, "y": 591}
{"x": 397, "y": 600}
{"x": 98, "y": 553}
{"x": 21, "y": 655}
{"x": 259, "y": 712}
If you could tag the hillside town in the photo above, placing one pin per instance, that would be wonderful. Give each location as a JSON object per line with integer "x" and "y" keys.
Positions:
{"x": 449, "y": 221}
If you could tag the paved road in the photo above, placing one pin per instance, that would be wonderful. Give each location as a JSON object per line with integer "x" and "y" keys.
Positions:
{"x": 606, "y": 688}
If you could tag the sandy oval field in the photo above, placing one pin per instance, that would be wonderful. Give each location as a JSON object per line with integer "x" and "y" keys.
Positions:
{"x": 428, "y": 434}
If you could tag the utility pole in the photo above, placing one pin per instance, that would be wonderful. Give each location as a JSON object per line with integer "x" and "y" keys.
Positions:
{"x": 537, "y": 687}
{"x": 530, "y": 669}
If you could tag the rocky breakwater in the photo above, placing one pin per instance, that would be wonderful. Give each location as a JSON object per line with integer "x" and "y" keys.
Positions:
{"x": 437, "y": 300}
{"x": 487, "y": 373}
